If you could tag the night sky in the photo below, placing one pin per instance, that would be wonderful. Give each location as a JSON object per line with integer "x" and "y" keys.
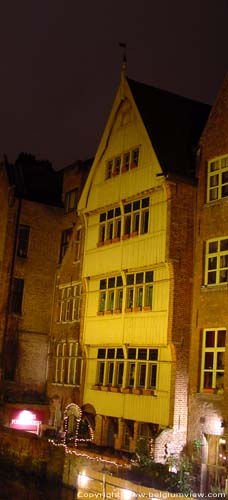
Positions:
{"x": 61, "y": 61}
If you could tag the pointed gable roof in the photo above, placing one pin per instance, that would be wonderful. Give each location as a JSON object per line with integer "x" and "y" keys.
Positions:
{"x": 174, "y": 125}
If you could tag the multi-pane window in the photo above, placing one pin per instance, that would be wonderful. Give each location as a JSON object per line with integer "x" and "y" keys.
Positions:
{"x": 136, "y": 217}
{"x": 77, "y": 245}
{"x": 68, "y": 363}
{"x": 23, "y": 241}
{"x": 110, "y": 225}
{"x": 142, "y": 368}
{"x": 69, "y": 303}
{"x": 213, "y": 359}
{"x": 137, "y": 371}
{"x": 110, "y": 367}
{"x": 139, "y": 290}
{"x": 71, "y": 199}
{"x": 17, "y": 295}
{"x": 217, "y": 179}
{"x": 216, "y": 271}
{"x": 111, "y": 294}
{"x": 122, "y": 163}
{"x": 135, "y": 221}
{"x": 65, "y": 238}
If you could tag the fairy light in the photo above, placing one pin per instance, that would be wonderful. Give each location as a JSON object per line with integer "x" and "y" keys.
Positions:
{"x": 70, "y": 451}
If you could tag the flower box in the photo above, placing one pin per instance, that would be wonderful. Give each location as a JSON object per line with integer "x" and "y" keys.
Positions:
{"x": 125, "y": 236}
{"x": 107, "y": 242}
{"x": 124, "y": 169}
{"x": 209, "y": 390}
{"x": 138, "y": 308}
{"x": 136, "y": 391}
{"x": 133, "y": 165}
{"x": 117, "y": 311}
{"x": 100, "y": 313}
{"x": 115, "y": 389}
{"x": 128, "y": 309}
{"x": 104, "y": 388}
{"x": 96, "y": 387}
{"x": 147, "y": 308}
{"x": 148, "y": 392}
{"x": 115, "y": 173}
{"x": 134, "y": 233}
{"x": 108, "y": 312}
{"x": 126, "y": 390}
{"x": 115, "y": 240}
{"x": 100, "y": 244}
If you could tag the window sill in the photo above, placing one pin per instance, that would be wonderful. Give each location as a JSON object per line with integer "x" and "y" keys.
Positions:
{"x": 107, "y": 242}
{"x": 100, "y": 313}
{"x": 100, "y": 244}
{"x": 117, "y": 311}
{"x": 115, "y": 240}
{"x": 128, "y": 309}
{"x": 138, "y": 308}
{"x": 216, "y": 287}
{"x": 134, "y": 233}
{"x": 125, "y": 236}
{"x": 96, "y": 387}
{"x": 108, "y": 312}
{"x": 147, "y": 308}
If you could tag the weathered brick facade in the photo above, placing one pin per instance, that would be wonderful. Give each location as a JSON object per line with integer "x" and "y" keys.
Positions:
{"x": 208, "y": 412}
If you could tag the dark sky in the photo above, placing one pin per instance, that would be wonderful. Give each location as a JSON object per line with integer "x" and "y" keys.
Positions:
{"x": 60, "y": 65}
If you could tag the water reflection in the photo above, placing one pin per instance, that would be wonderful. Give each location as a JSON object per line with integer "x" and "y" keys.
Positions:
{"x": 29, "y": 489}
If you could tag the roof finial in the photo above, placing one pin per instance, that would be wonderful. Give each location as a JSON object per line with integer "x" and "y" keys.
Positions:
{"x": 124, "y": 61}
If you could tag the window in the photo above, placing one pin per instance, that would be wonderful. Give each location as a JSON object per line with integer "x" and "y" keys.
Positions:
{"x": 71, "y": 199}
{"x": 69, "y": 303}
{"x": 110, "y": 367}
{"x": 111, "y": 294}
{"x": 68, "y": 363}
{"x": 139, "y": 290}
{"x": 216, "y": 271}
{"x": 122, "y": 163}
{"x": 140, "y": 367}
{"x": 213, "y": 360}
{"x": 110, "y": 225}
{"x": 65, "y": 238}
{"x": 17, "y": 295}
{"x": 136, "y": 217}
{"x": 77, "y": 245}
{"x": 217, "y": 179}
{"x": 23, "y": 241}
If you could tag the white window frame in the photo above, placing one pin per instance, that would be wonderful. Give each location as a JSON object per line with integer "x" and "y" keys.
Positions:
{"x": 69, "y": 302}
{"x": 212, "y": 372}
{"x": 216, "y": 262}
{"x": 217, "y": 179}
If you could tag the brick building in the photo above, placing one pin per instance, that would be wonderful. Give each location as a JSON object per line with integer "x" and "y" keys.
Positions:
{"x": 65, "y": 368}
{"x": 138, "y": 205}
{"x": 208, "y": 374}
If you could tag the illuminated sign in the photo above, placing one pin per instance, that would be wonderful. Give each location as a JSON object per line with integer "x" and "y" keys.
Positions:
{"x": 26, "y": 420}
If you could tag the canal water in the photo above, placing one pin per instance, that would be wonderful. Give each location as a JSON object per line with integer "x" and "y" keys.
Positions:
{"x": 21, "y": 488}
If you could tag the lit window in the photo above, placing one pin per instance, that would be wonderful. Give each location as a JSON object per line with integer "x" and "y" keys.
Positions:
{"x": 139, "y": 290}
{"x": 141, "y": 368}
{"x": 71, "y": 199}
{"x": 65, "y": 238}
{"x": 68, "y": 363}
{"x": 110, "y": 225}
{"x": 17, "y": 295}
{"x": 216, "y": 271}
{"x": 136, "y": 217}
{"x": 213, "y": 360}
{"x": 217, "y": 181}
{"x": 69, "y": 302}
{"x": 111, "y": 294}
{"x": 23, "y": 241}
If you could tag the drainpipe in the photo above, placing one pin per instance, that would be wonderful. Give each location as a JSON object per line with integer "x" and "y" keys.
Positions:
{"x": 11, "y": 273}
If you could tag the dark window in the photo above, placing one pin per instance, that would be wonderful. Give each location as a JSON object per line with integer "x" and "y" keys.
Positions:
{"x": 71, "y": 198}
{"x": 65, "y": 238}
{"x": 17, "y": 295}
{"x": 23, "y": 240}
